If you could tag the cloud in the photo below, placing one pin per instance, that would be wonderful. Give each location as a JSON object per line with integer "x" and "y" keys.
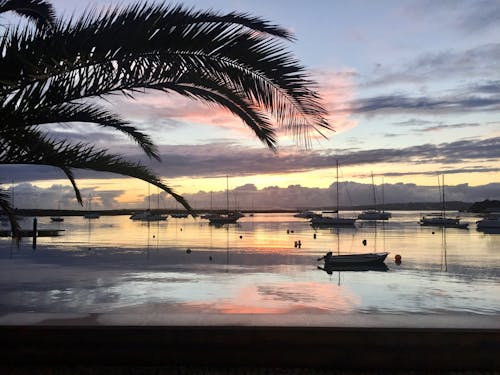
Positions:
{"x": 220, "y": 159}
{"x": 403, "y": 104}
{"x": 477, "y": 63}
{"x": 249, "y": 197}
{"x": 57, "y": 196}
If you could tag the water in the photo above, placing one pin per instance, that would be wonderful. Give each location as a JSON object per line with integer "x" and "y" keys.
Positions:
{"x": 114, "y": 265}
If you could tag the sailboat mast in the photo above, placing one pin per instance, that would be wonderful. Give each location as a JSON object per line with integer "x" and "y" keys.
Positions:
{"x": 383, "y": 200}
{"x": 374, "y": 195}
{"x": 444, "y": 204}
{"x": 337, "y": 188}
{"x": 227, "y": 194}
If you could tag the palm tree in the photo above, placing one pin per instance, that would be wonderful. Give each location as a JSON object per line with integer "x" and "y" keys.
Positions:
{"x": 49, "y": 72}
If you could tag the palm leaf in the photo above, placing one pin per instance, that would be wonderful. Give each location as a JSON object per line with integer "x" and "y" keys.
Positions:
{"x": 39, "y": 11}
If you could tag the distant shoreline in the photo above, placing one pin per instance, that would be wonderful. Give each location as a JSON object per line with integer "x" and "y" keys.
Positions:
{"x": 411, "y": 206}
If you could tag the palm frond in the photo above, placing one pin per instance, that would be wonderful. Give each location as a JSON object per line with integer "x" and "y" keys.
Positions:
{"x": 67, "y": 156}
{"x": 166, "y": 45}
{"x": 39, "y": 11}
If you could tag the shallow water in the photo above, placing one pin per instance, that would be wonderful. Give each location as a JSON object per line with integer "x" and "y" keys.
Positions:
{"x": 113, "y": 264}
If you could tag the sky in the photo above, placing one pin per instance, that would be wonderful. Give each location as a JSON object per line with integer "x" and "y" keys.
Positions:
{"x": 412, "y": 89}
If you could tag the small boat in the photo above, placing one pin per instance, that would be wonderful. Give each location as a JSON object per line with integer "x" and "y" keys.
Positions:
{"x": 306, "y": 214}
{"x": 179, "y": 215}
{"x": 492, "y": 221}
{"x": 333, "y": 221}
{"x": 221, "y": 219}
{"x": 440, "y": 219}
{"x": 437, "y": 220}
{"x": 375, "y": 214}
{"x": 344, "y": 259}
{"x": 147, "y": 216}
{"x": 228, "y": 218}
{"x": 90, "y": 214}
{"x": 56, "y": 219}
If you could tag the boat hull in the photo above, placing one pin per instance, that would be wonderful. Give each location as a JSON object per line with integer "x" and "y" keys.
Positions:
{"x": 442, "y": 222}
{"x": 332, "y": 221}
{"x": 374, "y": 216}
{"x": 350, "y": 259}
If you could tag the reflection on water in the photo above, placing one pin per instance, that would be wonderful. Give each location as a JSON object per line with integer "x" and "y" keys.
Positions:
{"x": 182, "y": 265}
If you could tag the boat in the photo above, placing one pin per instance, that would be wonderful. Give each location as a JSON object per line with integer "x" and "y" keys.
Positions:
{"x": 353, "y": 267}
{"x": 375, "y": 214}
{"x": 306, "y": 214}
{"x": 492, "y": 221}
{"x": 179, "y": 215}
{"x": 57, "y": 219}
{"x": 147, "y": 215}
{"x": 440, "y": 219}
{"x": 227, "y": 218}
{"x": 90, "y": 214}
{"x": 333, "y": 221}
{"x": 362, "y": 258}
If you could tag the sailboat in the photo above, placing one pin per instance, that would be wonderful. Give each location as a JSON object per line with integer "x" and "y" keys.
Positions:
{"x": 375, "y": 214}
{"x": 90, "y": 214}
{"x": 440, "y": 219}
{"x": 334, "y": 221}
{"x": 229, "y": 217}
{"x": 352, "y": 260}
{"x": 57, "y": 219}
{"x": 148, "y": 215}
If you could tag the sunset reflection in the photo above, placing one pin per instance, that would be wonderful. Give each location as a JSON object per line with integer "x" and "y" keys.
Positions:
{"x": 284, "y": 298}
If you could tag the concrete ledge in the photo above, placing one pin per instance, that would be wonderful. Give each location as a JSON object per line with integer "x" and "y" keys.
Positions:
{"x": 317, "y": 347}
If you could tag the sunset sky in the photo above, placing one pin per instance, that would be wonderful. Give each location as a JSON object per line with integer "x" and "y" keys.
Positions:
{"x": 412, "y": 87}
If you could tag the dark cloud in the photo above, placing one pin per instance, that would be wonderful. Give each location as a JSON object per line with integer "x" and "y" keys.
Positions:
{"x": 477, "y": 63}
{"x": 397, "y": 104}
{"x": 442, "y": 126}
{"x": 220, "y": 159}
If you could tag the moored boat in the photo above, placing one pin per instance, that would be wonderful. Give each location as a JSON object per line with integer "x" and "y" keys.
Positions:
{"x": 491, "y": 221}
{"x": 363, "y": 258}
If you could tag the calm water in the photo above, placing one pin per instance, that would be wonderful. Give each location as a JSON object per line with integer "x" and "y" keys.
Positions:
{"x": 114, "y": 264}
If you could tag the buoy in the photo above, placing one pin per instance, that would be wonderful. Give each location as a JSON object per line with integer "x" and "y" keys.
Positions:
{"x": 153, "y": 236}
{"x": 181, "y": 229}
{"x": 314, "y": 235}
{"x": 292, "y": 231}
{"x": 241, "y": 236}
{"x": 288, "y": 231}
{"x": 398, "y": 259}
{"x": 188, "y": 251}
{"x": 432, "y": 232}
{"x": 364, "y": 242}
